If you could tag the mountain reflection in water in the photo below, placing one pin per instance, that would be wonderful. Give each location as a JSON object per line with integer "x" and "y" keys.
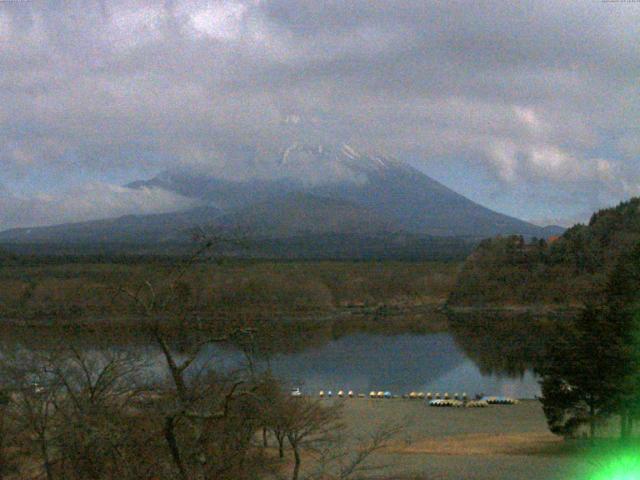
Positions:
{"x": 398, "y": 363}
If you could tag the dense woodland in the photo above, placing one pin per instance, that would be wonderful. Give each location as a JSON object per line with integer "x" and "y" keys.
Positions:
{"x": 213, "y": 290}
{"x": 509, "y": 271}
{"x": 325, "y": 246}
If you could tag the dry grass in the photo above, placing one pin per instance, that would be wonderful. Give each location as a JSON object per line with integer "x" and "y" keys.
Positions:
{"x": 525, "y": 443}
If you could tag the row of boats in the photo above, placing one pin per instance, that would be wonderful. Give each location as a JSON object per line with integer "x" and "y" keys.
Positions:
{"x": 387, "y": 394}
{"x": 434, "y": 399}
{"x": 476, "y": 403}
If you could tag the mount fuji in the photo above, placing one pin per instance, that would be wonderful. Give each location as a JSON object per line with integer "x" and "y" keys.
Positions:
{"x": 302, "y": 191}
{"x": 383, "y": 188}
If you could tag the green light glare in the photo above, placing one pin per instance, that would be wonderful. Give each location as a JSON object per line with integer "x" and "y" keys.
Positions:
{"x": 624, "y": 466}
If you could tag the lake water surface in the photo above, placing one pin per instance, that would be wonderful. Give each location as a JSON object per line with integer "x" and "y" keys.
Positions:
{"x": 398, "y": 363}
{"x": 484, "y": 355}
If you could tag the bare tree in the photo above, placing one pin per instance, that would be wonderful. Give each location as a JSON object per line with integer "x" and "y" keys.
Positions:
{"x": 346, "y": 458}
{"x": 99, "y": 388}
{"x": 309, "y": 426}
{"x": 5, "y": 400}
{"x": 273, "y": 415}
{"x": 76, "y": 405}
{"x": 34, "y": 398}
{"x": 197, "y": 405}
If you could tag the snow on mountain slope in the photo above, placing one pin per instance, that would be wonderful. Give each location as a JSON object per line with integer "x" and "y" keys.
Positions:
{"x": 319, "y": 165}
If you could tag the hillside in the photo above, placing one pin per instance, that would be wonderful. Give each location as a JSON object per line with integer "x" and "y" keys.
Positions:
{"x": 129, "y": 228}
{"x": 282, "y": 216}
{"x": 297, "y": 214}
{"x": 507, "y": 271}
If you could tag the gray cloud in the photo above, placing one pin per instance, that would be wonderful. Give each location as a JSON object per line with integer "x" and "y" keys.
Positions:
{"x": 91, "y": 201}
{"x": 536, "y": 92}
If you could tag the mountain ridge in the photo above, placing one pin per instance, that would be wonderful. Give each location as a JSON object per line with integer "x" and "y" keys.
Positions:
{"x": 311, "y": 189}
{"x": 393, "y": 189}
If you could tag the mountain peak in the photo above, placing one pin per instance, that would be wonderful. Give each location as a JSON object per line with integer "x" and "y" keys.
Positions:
{"x": 322, "y": 164}
{"x": 381, "y": 184}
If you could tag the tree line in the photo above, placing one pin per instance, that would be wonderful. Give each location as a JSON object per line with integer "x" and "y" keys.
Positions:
{"x": 568, "y": 270}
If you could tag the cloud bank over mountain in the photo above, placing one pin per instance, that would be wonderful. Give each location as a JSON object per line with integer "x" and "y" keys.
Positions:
{"x": 531, "y": 97}
{"x": 90, "y": 201}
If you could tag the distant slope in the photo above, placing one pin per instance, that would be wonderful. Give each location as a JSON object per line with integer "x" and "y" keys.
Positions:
{"x": 298, "y": 214}
{"x": 129, "y": 228}
{"x": 389, "y": 246}
{"x": 329, "y": 246}
{"x": 283, "y": 216}
{"x": 571, "y": 271}
{"x": 291, "y": 226}
{"x": 422, "y": 205}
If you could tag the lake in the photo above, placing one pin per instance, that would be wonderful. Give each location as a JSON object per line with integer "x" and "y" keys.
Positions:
{"x": 486, "y": 354}
{"x": 398, "y": 363}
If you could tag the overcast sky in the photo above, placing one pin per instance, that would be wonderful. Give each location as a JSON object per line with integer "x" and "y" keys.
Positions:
{"x": 530, "y": 107}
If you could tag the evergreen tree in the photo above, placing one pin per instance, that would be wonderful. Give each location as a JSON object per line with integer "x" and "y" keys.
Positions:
{"x": 623, "y": 312}
{"x": 579, "y": 374}
{"x": 591, "y": 369}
